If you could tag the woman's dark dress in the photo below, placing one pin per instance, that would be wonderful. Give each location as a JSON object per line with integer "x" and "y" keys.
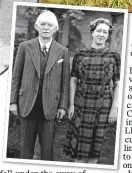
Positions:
{"x": 97, "y": 70}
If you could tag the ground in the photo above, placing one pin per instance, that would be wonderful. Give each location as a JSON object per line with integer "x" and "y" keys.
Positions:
{"x": 13, "y": 151}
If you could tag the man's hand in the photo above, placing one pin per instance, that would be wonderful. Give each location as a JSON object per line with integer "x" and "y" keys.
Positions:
{"x": 14, "y": 109}
{"x": 113, "y": 115}
{"x": 60, "y": 114}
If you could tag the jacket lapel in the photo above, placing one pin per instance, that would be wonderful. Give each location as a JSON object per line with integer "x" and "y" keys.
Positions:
{"x": 34, "y": 50}
{"x": 53, "y": 55}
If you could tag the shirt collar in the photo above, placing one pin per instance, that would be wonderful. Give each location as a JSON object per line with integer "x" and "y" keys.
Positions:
{"x": 47, "y": 44}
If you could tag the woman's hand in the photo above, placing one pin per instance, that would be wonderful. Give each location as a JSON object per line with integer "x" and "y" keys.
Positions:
{"x": 70, "y": 111}
{"x": 113, "y": 115}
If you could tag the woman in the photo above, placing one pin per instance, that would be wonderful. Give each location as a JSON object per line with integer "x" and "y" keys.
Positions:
{"x": 93, "y": 95}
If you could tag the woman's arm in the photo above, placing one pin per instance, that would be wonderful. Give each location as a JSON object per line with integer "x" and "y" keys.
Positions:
{"x": 114, "y": 108}
{"x": 73, "y": 83}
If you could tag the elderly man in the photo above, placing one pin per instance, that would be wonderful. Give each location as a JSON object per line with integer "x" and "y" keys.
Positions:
{"x": 40, "y": 86}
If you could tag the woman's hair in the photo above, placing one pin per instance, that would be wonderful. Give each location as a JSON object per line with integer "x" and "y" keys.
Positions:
{"x": 98, "y": 21}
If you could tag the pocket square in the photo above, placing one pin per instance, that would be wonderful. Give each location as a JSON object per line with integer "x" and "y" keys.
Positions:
{"x": 60, "y": 60}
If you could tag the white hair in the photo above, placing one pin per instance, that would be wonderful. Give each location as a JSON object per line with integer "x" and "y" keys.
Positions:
{"x": 47, "y": 16}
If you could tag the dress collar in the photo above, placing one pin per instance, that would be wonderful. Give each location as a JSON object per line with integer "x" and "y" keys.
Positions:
{"x": 101, "y": 50}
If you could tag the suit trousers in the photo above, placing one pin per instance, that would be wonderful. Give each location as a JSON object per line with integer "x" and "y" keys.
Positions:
{"x": 31, "y": 126}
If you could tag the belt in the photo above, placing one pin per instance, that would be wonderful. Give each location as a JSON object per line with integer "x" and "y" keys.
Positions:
{"x": 94, "y": 88}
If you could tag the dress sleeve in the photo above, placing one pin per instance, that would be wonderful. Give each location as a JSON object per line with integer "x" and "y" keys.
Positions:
{"x": 116, "y": 75}
{"x": 75, "y": 66}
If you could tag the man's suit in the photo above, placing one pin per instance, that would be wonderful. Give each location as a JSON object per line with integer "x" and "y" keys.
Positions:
{"x": 26, "y": 79}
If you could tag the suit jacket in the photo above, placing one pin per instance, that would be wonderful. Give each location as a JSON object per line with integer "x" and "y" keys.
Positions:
{"x": 26, "y": 77}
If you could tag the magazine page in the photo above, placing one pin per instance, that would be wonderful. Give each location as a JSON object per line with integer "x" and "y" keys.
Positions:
{"x": 66, "y": 88}
{"x": 126, "y": 130}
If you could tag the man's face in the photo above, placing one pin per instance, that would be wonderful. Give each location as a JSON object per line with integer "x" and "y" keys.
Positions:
{"x": 100, "y": 34}
{"x": 46, "y": 29}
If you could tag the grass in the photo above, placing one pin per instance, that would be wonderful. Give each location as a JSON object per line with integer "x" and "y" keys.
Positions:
{"x": 93, "y": 3}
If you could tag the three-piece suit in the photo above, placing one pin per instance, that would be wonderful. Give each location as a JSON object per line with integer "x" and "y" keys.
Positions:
{"x": 40, "y": 86}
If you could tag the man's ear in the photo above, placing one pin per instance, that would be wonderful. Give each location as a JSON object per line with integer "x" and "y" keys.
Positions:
{"x": 55, "y": 29}
{"x": 36, "y": 26}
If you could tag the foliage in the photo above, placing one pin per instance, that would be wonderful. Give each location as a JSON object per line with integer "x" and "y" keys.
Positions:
{"x": 31, "y": 12}
{"x": 78, "y": 14}
{"x": 73, "y": 15}
{"x": 93, "y": 3}
{"x": 67, "y": 2}
{"x": 18, "y": 39}
{"x": 13, "y": 144}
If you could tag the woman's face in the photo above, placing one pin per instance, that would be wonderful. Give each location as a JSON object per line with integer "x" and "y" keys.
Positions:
{"x": 100, "y": 34}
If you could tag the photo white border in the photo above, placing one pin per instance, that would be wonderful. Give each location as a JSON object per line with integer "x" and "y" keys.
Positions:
{"x": 84, "y": 165}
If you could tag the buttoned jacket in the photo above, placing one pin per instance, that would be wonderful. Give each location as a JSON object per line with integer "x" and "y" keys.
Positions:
{"x": 26, "y": 77}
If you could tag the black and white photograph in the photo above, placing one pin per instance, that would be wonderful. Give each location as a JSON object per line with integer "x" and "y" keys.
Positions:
{"x": 65, "y": 85}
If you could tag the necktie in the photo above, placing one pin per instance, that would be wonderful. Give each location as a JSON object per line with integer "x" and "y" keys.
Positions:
{"x": 44, "y": 50}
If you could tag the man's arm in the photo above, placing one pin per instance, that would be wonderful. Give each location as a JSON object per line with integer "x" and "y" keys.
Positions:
{"x": 16, "y": 79}
{"x": 65, "y": 84}
{"x": 17, "y": 73}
